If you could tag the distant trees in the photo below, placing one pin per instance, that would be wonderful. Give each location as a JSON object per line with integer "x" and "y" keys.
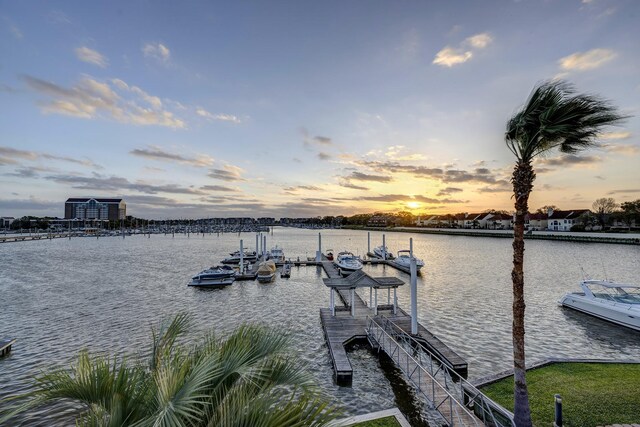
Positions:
{"x": 545, "y": 209}
{"x": 604, "y": 207}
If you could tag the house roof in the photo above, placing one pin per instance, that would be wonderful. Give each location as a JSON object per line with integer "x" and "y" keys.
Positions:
{"x": 569, "y": 214}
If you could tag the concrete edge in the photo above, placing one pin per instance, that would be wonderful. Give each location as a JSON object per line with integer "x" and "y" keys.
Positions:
{"x": 393, "y": 412}
{"x": 493, "y": 378}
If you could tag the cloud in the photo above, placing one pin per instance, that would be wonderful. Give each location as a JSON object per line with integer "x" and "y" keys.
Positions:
{"x": 568, "y": 160}
{"x": 303, "y": 187}
{"x": 91, "y": 56}
{"x": 347, "y": 184}
{"x": 114, "y": 183}
{"x": 359, "y": 176}
{"x": 31, "y": 204}
{"x": 7, "y": 89}
{"x": 157, "y": 51}
{"x": 324, "y": 156}
{"x": 622, "y": 149}
{"x": 156, "y": 153}
{"x": 30, "y": 171}
{"x": 13, "y": 29}
{"x": 625, "y": 191}
{"x": 90, "y": 99}
{"x": 616, "y": 135}
{"x": 219, "y": 188}
{"x": 227, "y": 173}
{"x": 322, "y": 140}
{"x": 10, "y": 154}
{"x": 448, "y": 191}
{"x": 449, "y": 56}
{"x": 220, "y": 117}
{"x": 479, "y": 41}
{"x": 583, "y": 61}
{"x": 389, "y": 198}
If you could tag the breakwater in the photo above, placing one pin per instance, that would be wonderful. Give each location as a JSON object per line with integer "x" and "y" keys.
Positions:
{"x": 506, "y": 234}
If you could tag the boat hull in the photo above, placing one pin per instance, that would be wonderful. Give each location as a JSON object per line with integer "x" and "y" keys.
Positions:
{"x": 264, "y": 278}
{"x": 212, "y": 283}
{"x": 617, "y": 314}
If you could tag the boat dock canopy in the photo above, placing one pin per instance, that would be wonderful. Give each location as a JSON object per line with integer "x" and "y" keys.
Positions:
{"x": 360, "y": 279}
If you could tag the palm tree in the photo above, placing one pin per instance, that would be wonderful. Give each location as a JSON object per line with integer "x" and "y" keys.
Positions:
{"x": 553, "y": 117}
{"x": 247, "y": 379}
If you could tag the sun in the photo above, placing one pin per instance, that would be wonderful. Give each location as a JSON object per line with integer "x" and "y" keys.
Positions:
{"x": 413, "y": 205}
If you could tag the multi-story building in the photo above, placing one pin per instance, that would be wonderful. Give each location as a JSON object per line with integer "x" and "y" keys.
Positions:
{"x": 95, "y": 208}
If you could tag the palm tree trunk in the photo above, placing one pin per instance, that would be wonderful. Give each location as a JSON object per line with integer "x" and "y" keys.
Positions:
{"x": 522, "y": 180}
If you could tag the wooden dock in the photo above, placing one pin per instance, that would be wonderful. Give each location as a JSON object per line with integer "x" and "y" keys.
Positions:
{"x": 250, "y": 274}
{"x": 5, "y": 346}
{"x": 343, "y": 328}
{"x": 23, "y": 238}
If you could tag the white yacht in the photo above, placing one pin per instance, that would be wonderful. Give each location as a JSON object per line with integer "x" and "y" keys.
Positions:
{"x": 277, "y": 255}
{"x": 235, "y": 257}
{"x": 347, "y": 263}
{"x": 383, "y": 252}
{"x": 403, "y": 261}
{"x": 615, "y": 302}
{"x": 221, "y": 275}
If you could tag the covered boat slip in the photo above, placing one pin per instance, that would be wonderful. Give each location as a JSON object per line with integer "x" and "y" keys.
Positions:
{"x": 345, "y": 320}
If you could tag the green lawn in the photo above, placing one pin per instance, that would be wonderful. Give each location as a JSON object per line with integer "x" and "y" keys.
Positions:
{"x": 593, "y": 394}
{"x": 381, "y": 422}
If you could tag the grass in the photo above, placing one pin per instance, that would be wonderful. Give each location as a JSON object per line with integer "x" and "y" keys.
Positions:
{"x": 593, "y": 394}
{"x": 380, "y": 422}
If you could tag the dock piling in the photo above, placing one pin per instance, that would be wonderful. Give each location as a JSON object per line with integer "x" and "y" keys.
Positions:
{"x": 414, "y": 291}
{"x": 241, "y": 257}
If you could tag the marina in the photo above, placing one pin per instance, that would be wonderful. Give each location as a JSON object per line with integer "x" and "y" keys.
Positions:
{"x": 463, "y": 301}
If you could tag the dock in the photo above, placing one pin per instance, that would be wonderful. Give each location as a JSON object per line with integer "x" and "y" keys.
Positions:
{"x": 249, "y": 274}
{"x": 347, "y": 323}
{"x": 5, "y": 346}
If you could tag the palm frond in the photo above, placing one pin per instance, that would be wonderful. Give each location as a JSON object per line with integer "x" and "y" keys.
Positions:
{"x": 555, "y": 117}
{"x": 165, "y": 337}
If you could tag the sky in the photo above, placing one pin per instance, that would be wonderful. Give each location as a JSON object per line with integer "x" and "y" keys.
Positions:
{"x": 304, "y": 108}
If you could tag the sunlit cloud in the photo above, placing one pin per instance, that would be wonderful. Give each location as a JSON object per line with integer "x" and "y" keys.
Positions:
{"x": 616, "y": 135}
{"x": 91, "y": 56}
{"x": 157, "y": 51}
{"x": 359, "y": 176}
{"x": 347, "y": 184}
{"x": 220, "y": 117}
{"x": 156, "y": 153}
{"x": 90, "y": 99}
{"x": 569, "y": 160}
{"x": 583, "y": 61}
{"x": 627, "y": 149}
{"x": 450, "y": 56}
{"x": 115, "y": 183}
{"x": 324, "y": 156}
{"x": 448, "y": 191}
{"x": 220, "y": 188}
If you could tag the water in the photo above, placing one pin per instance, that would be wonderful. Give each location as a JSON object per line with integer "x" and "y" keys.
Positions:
{"x": 60, "y": 296}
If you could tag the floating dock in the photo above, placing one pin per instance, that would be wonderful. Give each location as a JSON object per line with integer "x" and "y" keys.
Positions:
{"x": 347, "y": 323}
{"x": 5, "y": 346}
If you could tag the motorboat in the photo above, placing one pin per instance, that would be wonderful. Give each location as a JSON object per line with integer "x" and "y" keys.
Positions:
{"x": 403, "y": 261}
{"x": 235, "y": 257}
{"x": 266, "y": 271}
{"x": 615, "y": 302}
{"x": 347, "y": 263}
{"x": 382, "y": 252}
{"x": 285, "y": 272}
{"x": 329, "y": 254}
{"x": 221, "y": 275}
{"x": 277, "y": 255}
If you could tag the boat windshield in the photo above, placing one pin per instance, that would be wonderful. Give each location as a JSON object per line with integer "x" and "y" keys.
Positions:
{"x": 623, "y": 294}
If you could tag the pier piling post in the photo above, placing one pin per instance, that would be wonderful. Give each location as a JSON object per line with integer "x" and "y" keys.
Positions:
{"x": 395, "y": 300}
{"x": 557, "y": 422}
{"x": 257, "y": 252}
{"x": 368, "y": 242}
{"x": 414, "y": 291}
{"x": 352, "y": 302}
{"x": 375, "y": 304}
{"x": 319, "y": 252}
{"x": 241, "y": 257}
{"x": 388, "y": 296}
{"x": 332, "y": 303}
{"x": 370, "y": 297}
{"x": 384, "y": 248}
{"x": 264, "y": 248}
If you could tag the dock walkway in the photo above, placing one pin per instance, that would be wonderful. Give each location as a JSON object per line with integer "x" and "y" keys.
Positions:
{"x": 5, "y": 346}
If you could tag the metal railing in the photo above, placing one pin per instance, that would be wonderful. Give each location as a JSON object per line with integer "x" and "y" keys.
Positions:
{"x": 457, "y": 400}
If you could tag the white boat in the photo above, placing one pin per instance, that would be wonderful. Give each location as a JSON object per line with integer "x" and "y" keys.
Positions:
{"x": 403, "y": 261}
{"x": 277, "y": 255}
{"x": 615, "y": 302}
{"x": 266, "y": 271}
{"x": 221, "y": 275}
{"x": 347, "y": 263}
{"x": 382, "y": 252}
{"x": 235, "y": 258}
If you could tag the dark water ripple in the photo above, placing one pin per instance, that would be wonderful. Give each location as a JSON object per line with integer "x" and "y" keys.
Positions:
{"x": 60, "y": 296}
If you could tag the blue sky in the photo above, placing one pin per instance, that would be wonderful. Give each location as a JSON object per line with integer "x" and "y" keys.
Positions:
{"x": 201, "y": 109}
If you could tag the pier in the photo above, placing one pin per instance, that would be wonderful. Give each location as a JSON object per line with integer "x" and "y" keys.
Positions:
{"x": 5, "y": 346}
{"x": 347, "y": 323}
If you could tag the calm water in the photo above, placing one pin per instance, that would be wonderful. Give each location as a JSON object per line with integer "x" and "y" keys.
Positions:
{"x": 104, "y": 294}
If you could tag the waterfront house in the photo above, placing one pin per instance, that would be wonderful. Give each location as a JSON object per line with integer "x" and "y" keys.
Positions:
{"x": 563, "y": 220}
{"x": 5, "y": 221}
{"x": 378, "y": 221}
{"x": 536, "y": 221}
{"x": 500, "y": 221}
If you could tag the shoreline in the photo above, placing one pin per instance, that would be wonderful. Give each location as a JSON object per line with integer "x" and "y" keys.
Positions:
{"x": 634, "y": 240}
